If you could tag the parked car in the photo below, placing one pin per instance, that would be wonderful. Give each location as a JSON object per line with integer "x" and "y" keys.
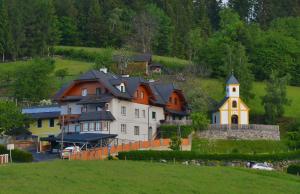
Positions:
{"x": 68, "y": 150}
{"x": 262, "y": 166}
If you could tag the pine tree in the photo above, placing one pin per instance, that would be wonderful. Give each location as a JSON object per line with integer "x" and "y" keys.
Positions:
{"x": 275, "y": 98}
{"x": 5, "y": 34}
{"x": 94, "y": 25}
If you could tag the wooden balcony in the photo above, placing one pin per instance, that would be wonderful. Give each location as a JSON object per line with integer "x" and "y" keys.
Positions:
{"x": 68, "y": 118}
{"x": 176, "y": 122}
{"x": 242, "y": 127}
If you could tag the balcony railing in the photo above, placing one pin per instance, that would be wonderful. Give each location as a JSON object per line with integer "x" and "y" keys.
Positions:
{"x": 68, "y": 118}
{"x": 242, "y": 127}
{"x": 176, "y": 122}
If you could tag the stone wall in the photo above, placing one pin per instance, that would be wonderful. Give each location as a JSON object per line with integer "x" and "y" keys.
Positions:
{"x": 245, "y": 134}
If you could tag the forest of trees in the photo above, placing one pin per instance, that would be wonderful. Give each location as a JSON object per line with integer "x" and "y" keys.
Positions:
{"x": 251, "y": 37}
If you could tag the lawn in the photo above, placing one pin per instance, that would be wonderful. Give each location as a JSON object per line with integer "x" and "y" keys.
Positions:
{"x": 238, "y": 146}
{"x": 139, "y": 177}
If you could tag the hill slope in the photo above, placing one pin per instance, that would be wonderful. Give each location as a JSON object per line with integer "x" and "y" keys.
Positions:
{"x": 139, "y": 177}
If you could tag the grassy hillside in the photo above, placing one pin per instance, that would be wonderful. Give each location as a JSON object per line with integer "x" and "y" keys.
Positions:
{"x": 168, "y": 61}
{"x": 74, "y": 67}
{"x": 139, "y": 177}
{"x": 238, "y": 146}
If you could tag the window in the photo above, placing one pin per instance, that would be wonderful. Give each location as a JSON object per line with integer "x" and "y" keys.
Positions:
{"x": 84, "y": 92}
{"x": 154, "y": 115}
{"x": 123, "y": 110}
{"x": 122, "y": 88}
{"x": 106, "y": 106}
{"x": 136, "y": 113}
{"x": 85, "y": 126}
{"x": 136, "y": 94}
{"x": 142, "y": 95}
{"x": 98, "y": 91}
{"x": 84, "y": 109}
{"x": 175, "y": 100}
{"x": 92, "y": 127}
{"x": 233, "y": 89}
{"x": 136, "y": 130}
{"x": 69, "y": 110}
{"x": 39, "y": 123}
{"x": 97, "y": 128}
{"x": 170, "y": 99}
{"x": 51, "y": 122}
{"x": 98, "y": 108}
{"x": 215, "y": 119}
{"x": 234, "y": 104}
{"x": 123, "y": 128}
{"x": 144, "y": 113}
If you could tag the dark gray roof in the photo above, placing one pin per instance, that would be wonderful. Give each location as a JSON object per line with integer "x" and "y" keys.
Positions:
{"x": 44, "y": 115}
{"x": 220, "y": 104}
{"x": 96, "y": 116}
{"x": 164, "y": 90}
{"x": 232, "y": 80}
{"x": 82, "y": 137}
{"x": 179, "y": 113}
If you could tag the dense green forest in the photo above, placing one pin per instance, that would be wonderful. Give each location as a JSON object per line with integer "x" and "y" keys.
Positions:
{"x": 251, "y": 37}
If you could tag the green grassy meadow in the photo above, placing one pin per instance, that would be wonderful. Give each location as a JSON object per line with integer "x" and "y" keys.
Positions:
{"x": 139, "y": 177}
{"x": 238, "y": 146}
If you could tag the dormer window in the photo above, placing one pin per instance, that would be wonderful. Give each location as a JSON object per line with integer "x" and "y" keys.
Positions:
{"x": 84, "y": 92}
{"x": 142, "y": 95}
{"x": 121, "y": 87}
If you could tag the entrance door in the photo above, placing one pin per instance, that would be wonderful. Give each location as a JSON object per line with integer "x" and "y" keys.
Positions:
{"x": 234, "y": 119}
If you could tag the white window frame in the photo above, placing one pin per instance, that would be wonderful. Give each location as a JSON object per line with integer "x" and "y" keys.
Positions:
{"x": 153, "y": 113}
{"x": 142, "y": 95}
{"x": 136, "y": 130}
{"x": 123, "y": 110}
{"x": 91, "y": 126}
{"x": 144, "y": 113}
{"x": 85, "y": 127}
{"x": 137, "y": 113}
{"x": 98, "y": 126}
{"x": 84, "y": 92}
{"x": 123, "y": 128}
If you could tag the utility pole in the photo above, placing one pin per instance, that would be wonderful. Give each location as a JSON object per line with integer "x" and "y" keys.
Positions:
{"x": 62, "y": 135}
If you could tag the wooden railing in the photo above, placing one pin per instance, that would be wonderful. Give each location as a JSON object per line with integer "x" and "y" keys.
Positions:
{"x": 102, "y": 153}
{"x": 4, "y": 159}
{"x": 242, "y": 127}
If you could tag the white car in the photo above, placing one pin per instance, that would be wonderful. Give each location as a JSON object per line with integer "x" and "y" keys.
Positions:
{"x": 262, "y": 166}
{"x": 68, "y": 150}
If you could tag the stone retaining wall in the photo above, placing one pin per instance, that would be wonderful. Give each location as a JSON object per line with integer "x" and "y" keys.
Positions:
{"x": 245, "y": 134}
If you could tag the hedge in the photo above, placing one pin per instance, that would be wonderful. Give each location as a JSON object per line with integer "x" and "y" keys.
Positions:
{"x": 78, "y": 54}
{"x": 190, "y": 155}
{"x": 294, "y": 169}
{"x": 168, "y": 131}
{"x": 17, "y": 155}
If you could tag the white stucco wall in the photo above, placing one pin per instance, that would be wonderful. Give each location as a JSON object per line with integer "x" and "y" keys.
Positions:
{"x": 224, "y": 117}
{"x": 231, "y": 93}
{"x": 244, "y": 118}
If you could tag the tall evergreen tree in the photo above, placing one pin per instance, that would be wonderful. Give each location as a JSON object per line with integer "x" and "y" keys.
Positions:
{"x": 94, "y": 25}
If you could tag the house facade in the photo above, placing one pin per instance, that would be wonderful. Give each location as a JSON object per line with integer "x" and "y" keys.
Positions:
{"x": 231, "y": 110}
{"x": 45, "y": 120}
{"x": 130, "y": 107}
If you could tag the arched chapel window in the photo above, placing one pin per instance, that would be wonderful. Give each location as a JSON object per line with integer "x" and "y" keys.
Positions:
{"x": 234, "y": 104}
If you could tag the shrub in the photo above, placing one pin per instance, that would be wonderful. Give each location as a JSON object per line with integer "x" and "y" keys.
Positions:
{"x": 168, "y": 131}
{"x": 189, "y": 155}
{"x": 175, "y": 143}
{"x": 17, "y": 155}
{"x": 294, "y": 169}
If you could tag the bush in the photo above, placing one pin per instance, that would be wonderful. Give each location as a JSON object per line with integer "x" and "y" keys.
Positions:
{"x": 17, "y": 155}
{"x": 168, "y": 131}
{"x": 189, "y": 155}
{"x": 294, "y": 169}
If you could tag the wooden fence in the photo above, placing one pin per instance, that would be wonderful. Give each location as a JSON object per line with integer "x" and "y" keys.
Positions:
{"x": 4, "y": 159}
{"x": 102, "y": 153}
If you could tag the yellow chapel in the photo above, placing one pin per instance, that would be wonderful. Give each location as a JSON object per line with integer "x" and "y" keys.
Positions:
{"x": 231, "y": 110}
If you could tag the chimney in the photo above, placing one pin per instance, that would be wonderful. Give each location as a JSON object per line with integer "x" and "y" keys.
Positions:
{"x": 104, "y": 70}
